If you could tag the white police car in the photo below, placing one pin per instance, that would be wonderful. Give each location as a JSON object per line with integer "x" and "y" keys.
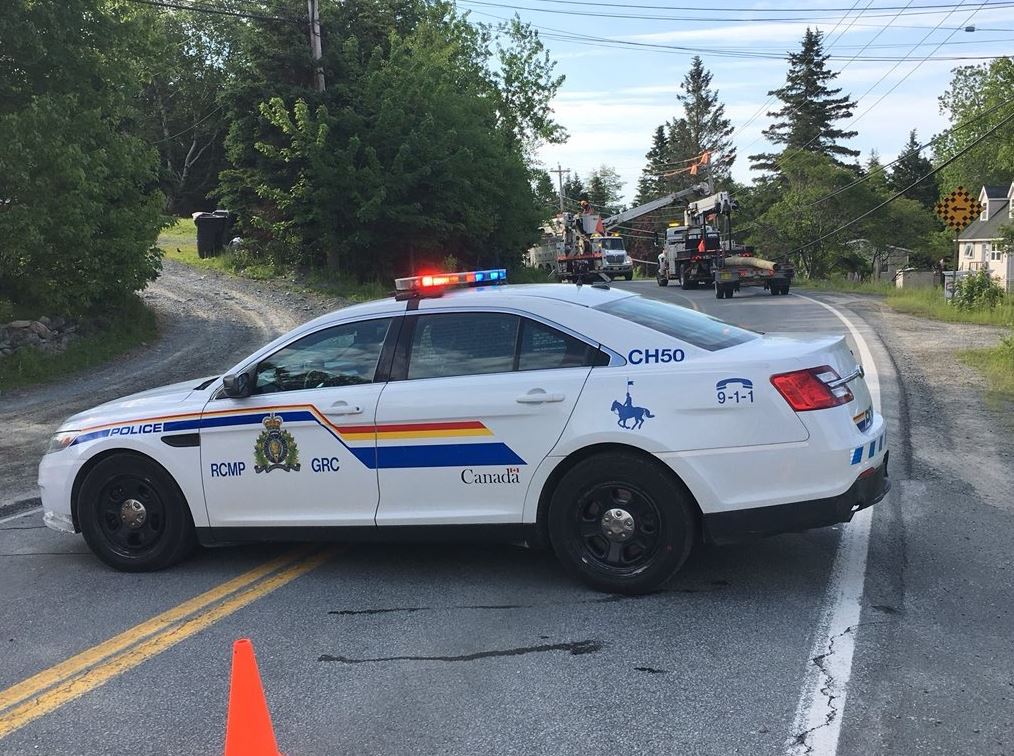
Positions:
{"x": 615, "y": 429}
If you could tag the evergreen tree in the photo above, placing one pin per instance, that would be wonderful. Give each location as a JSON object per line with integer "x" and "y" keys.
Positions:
{"x": 573, "y": 191}
{"x": 877, "y": 175}
{"x": 605, "y": 190}
{"x": 706, "y": 127}
{"x": 650, "y": 184}
{"x": 810, "y": 109}
{"x": 910, "y": 167}
{"x": 702, "y": 127}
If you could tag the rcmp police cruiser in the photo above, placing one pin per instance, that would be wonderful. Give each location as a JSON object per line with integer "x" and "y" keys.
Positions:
{"x": 616, "y": 430}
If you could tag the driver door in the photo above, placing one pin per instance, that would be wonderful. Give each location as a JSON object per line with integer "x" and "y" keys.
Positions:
{"x": 301, "y": 450}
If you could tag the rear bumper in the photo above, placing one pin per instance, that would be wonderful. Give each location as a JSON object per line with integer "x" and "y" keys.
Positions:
{"x": 744, "y": 524}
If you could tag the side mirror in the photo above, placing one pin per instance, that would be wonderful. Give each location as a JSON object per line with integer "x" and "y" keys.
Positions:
{"x": 237, "y": 385}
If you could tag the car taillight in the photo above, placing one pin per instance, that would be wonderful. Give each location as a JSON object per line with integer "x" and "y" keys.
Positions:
{"x": 812, "y": 389}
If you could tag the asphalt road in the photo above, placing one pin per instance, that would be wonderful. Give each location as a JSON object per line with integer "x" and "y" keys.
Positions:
{"x": 476, "y": 649}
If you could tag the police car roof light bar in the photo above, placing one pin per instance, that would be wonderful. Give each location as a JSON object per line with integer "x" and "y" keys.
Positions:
{"x": 435, "y": 283}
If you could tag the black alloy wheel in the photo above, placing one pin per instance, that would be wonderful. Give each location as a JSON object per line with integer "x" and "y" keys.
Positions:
{"x": 620, "y": 523}
{"x": 133, "y": 515}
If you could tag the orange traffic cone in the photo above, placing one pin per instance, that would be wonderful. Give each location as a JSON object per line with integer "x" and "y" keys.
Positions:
{"x": 248, "y": 730}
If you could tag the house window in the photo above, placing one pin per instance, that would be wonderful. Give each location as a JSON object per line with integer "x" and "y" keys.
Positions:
{"x": 968, "y": 251}
{"x": 994, "y": 254}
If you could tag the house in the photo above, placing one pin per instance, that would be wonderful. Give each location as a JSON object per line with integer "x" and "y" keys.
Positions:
{"x": 977, "y": 244}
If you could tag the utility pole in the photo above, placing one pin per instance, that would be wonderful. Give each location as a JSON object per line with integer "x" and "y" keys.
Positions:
{"x": 559, "y": 172}
{"x": 318, "y": 69}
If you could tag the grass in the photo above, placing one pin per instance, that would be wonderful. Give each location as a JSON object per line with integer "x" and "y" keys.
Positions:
{"x": 179, "y": 242}
{"x": 844, "y": 284}
{"x": 925, "y": 303}
{"x": 930, "y": 303}
{"x": 997, "y": 363}
{"x": 115, "y": 332}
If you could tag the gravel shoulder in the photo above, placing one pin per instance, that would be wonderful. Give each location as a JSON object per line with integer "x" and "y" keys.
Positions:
{"x": 933, "y": 671}
{"x": 207, "y": 321}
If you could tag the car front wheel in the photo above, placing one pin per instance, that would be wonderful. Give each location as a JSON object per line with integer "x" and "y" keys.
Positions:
{"x": 133, "y": 515}
{"x": 620, "y": 524}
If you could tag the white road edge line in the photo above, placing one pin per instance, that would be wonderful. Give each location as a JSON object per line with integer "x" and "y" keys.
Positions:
{"x": 816, "y": 727}
{"x": 36, "y": 510}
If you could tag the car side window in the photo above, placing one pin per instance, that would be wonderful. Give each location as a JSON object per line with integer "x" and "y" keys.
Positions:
{"x": 344, "y": 355}
{"x": 466, "y": 343}
{"x": 545, "y": 348}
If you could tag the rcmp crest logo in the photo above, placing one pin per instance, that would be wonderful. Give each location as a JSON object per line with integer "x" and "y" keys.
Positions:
{"x": 275, "y": 448}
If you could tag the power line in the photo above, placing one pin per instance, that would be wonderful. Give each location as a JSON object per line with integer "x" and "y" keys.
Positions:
{"x": 645, "y": 17}
{"x": 584, "y": 4}
{"x": 215, "y": 11}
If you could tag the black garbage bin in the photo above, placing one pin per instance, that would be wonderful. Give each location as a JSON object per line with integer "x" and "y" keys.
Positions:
{"x": 211, "y": 231}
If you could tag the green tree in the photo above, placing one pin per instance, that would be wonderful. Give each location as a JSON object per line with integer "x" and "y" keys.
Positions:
{"x": 524, "y": 85}
{"x": 184, "y": 69}
{"x": 909, "y": 169}
{"x": 810, "y": 107}
{"x": 801, "y": 216}
{"x": 573, "y": 191}
{"x": 978, "y": 98}
{"x": 651, "y": 184}
{"x": 416, "y": 171}
{"x": 706, "y": 127}
{"x": 547, "y": 197}
{"x": 875, "y": 174}
{"x": 79, "y": 203}
{"x": 605, "y": 190}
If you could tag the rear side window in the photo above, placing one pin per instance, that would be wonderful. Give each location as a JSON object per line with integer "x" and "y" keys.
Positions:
{"x": 463, "y": 344}
{"x": 681, "y": 323}
{"x": 545, "y": 348}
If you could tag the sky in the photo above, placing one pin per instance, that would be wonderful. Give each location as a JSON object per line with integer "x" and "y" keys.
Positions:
{"x": 615, "y": 95}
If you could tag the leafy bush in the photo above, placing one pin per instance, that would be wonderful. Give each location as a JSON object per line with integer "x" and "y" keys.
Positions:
{"x": 978, "y": 292}
{"x": 80, "y": 202}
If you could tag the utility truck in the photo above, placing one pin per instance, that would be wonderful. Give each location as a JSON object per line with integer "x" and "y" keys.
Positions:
{"x": 590, "y": 247}
{"x": 695, "y": 254}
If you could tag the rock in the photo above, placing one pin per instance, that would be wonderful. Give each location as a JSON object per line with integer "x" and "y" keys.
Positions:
{"x": 45, "y": 321}
{"x": 41, "y": 329}
{"x": 57, "y": 323}
{"x": 19, "y": 324}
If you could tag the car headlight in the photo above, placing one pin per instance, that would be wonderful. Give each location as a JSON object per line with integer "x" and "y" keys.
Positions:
{"x": 61, "y": 441}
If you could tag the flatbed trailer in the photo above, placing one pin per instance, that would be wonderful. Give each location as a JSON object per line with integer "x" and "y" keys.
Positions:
{"x": 735, "y": 272}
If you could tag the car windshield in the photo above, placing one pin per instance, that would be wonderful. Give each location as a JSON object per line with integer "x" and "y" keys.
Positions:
{"x": 687, "y": 325}
{"x": 613, "y": 243}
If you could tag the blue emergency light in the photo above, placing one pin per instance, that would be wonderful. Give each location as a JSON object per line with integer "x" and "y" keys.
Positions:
{"x": 433, "y": 284}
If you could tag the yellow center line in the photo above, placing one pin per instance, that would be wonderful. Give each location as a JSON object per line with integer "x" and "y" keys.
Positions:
{"x": 66, "y": 681}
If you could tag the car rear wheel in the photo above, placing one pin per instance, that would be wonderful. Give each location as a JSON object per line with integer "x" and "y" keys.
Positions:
{"x": 629, "y": 276}
{"x": 620, "y": 524}
{"x": 133, "y": 515}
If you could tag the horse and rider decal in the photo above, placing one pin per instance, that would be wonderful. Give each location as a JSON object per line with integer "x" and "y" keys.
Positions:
{"x": 627, "y": 412}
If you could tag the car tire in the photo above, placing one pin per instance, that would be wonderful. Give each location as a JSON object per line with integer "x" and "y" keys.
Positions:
{"x": 662, "y": 281}
{"x": 648, "y": 515}
{"x": 133, "y": 515}
{"x": 628, "y": 276}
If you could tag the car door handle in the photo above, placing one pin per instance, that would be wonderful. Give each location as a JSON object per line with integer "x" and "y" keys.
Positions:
{"x": 539, "y": 396}
{"x": 343, "y": 408}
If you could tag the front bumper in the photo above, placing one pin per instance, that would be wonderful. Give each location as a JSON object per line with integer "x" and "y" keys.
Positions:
{"x": 744, "y": 524}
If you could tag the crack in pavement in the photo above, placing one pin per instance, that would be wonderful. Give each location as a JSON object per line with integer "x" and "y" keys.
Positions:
{"x": 799, "y": 740}
{"x": 576, "y": 648}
